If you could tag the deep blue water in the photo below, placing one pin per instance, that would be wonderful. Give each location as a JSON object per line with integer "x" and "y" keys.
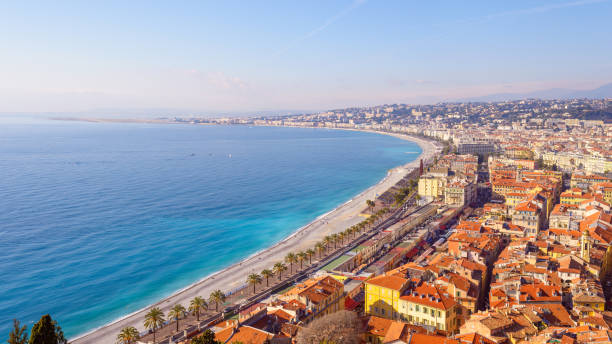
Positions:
{"x": 99, "y": 220}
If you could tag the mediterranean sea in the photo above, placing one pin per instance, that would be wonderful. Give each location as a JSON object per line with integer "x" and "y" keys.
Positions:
{"x": 98, "y": 220}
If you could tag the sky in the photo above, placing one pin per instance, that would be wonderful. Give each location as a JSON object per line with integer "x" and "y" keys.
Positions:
{"x": 241, "y": 57}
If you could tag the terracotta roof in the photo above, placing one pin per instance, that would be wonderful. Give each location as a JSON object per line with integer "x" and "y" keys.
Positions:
{"x": 390, "y": 282}
{"x": 244, "y": 334}
{"x": 429, "y": 295}
{"x": 539, "y": 293}
{"x": 555, "y": 314}
{"x": 421, "y": 338}
{"x": 469, "y": 226}
{"x": 474, "y": 338}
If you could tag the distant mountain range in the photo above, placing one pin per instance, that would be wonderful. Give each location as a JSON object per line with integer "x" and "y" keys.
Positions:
{"x": 553, "y": 93}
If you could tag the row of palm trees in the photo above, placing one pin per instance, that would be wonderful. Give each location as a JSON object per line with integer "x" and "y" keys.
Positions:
{"x": 321, "y": 247}
{"x": 155, "y": 318}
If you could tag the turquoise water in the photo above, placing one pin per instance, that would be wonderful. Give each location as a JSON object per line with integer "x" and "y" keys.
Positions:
{"x": 98, "y": 220}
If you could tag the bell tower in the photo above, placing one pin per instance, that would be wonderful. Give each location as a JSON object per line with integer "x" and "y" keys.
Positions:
{"x": 585, "y": 246}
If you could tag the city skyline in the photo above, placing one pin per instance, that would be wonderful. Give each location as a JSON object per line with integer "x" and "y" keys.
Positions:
{"x": 235, "y": 58}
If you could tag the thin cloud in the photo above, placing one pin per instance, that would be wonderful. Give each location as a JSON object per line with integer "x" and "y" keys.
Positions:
{"x": 319, "y": 29}
{"x": 533, "y": 10}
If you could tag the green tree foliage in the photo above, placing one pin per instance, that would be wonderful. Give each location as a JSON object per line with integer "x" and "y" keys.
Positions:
{"x": 301, "y": 256}
{"x": 176, "y": 313}
{"x": 370, "y": 204}
{"x": 217, "y": 297}
{"x": 267, "y": 273}
{"x": 154, "y": 319}
{"x": 128, "y": 335}
{"x": 279, "y": 268}
{"x": 197, "y": 305}
{"x": 310, "y": 252}
{"x": 254, "y": 279}
{"x": 43, "y": 332}
{"x": 208, "y": 337}
{"x": 19, "y": 334}
{"x": 291, "y": 258}
{"x": 60, "y": 334}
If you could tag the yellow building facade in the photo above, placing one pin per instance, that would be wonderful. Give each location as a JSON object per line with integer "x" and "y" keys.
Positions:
{"x": 382, "y": 295}
{"x": 427, "y": 306}
{"x": 430, "y": 186}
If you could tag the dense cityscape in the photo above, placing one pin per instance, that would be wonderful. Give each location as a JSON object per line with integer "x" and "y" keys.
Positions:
{"x": 501, "y": 234}
{"x": 502, "y": 237}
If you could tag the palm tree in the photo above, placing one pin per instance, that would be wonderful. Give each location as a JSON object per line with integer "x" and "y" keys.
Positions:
{"x": 341, "y": 238}
{"x": 128, "y": 335}
{"x": 290, "y": 258}
{"x": 370, "y": 204}
{"x": 267, "y": 273}
{"x": 197, "y": 305}
{"x": 176, "y": 312}
{"x": 348, "y": 232}
{"x": 254, "y": 279}
{"x": 154, "y": 319}
{"x": 217, "y": 297}
{"x": 310, "y": 252}
{"x": 279, "y": 268}
{"x": 334, "y": 239}
{"x": 326, "y": 241}
{"x": 301, "y": 256}
{"x": 320, "y": 246}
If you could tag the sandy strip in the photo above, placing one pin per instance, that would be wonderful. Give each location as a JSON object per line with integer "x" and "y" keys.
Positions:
{"x": 234, "y": 276}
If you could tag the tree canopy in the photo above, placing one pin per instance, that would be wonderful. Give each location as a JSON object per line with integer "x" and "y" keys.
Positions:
{"x": 208, "y": 337}
{"x": 19, "y": 334}
{"x": 341, "y": 327}
{"x": 43, "y": 332}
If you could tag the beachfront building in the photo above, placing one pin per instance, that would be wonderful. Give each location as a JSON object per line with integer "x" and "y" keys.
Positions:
{"x": 431, "y": 186}
{"x": 382, "y": 294}
{"x": 322, "y": 296}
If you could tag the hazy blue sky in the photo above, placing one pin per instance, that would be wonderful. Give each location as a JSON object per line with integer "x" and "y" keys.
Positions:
{"x": 241, "y": 56}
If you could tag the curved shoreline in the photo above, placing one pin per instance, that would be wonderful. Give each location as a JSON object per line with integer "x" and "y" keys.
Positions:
{"x": 232, "y": 277}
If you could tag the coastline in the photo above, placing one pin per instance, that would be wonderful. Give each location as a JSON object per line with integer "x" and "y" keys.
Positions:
{"x": 232, "y": 277}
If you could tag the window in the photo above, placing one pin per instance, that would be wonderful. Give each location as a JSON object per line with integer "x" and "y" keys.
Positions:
{"x": 439, "y": 313}
{"x": 425, "y": 310}
{"x": 382, "y": 311}
{"x": 432, "y": 313}
{"x": 417, "y": 308}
